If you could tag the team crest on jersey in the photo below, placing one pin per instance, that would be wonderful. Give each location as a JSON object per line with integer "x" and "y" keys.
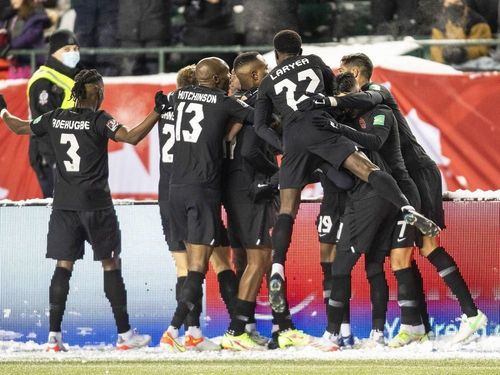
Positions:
{"x": 43, "y": 98}
{"x": 112, "y": 124}
{"x": 379, "y": 120}
{"x": 362, "y": 123}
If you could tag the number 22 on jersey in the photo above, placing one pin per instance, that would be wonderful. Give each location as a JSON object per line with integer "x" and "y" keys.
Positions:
{"x": 291, "y": 87}
{"x": 177, "y": 134}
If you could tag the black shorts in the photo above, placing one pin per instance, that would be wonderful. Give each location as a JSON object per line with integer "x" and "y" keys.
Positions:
{"x": 172, "y": 245}
{"x": 328, "y": 220}
{"x": 194, "y": 213}
{"x": 306, "y": 147}
{"x": 403, "y": 235}
{"x": 68, "y": 231}
{"x": 364, "y": 226}
{"x": 249, "y": 223}
{"x": 430, "y": 188}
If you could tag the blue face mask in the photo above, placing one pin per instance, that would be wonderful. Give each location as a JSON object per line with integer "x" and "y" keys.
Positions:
{"x": 70, "y": 59}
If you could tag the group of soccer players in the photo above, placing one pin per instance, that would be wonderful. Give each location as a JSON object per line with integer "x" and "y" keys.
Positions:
{"x": 219, "y": 150}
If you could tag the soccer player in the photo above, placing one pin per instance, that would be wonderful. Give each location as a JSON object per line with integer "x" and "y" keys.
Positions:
{"x": 202, "y": 115}
{"x": 284, "y": 87}
{"x": 82, "y": 208}
{"x": 425, "y": 173}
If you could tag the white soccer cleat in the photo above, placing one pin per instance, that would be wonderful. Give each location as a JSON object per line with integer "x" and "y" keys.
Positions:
{"x": 469, "y": 326}
{"x": 376, "y": 339}
{"x": 132, "y": 340}
{"x": 327, "y": 343}
{"x": 55, "y": 343}
{"x": 171, "y": 343}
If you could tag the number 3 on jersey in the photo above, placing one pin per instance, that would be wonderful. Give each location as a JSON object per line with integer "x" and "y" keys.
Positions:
{"x": 291, "y": 87}
{"x": 74, "y": 164}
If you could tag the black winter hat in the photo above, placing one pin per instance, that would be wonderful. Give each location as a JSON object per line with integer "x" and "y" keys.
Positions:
{"x": 61, "y": 38}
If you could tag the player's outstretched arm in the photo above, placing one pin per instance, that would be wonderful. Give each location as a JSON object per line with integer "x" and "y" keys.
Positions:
{"x": 14, "y": 123}
{"x": 136, "y": 134}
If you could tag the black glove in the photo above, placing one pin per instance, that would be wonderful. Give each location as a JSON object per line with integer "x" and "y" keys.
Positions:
{"x": 3, "y": 104}
{"x": 262, "y": 190}
{"x": 161, "y": 103}
{"x": 314, "y": 101}
{"x": 327, "y": 123}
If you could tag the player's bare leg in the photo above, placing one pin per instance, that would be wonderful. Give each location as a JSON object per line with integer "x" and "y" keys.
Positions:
{"x": 58, "y": 294}
{"x": 228, "y": 283}
{"x": 387, "y": 188}
{"x": 472, "y": 319}
{"x": 281, "y": 238}
{"x": 237, "y": 338}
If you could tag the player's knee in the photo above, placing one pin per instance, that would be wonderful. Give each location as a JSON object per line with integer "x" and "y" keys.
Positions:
{"x": 400, "y": 258}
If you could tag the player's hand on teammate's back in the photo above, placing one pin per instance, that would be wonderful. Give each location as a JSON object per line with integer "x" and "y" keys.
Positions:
{"x": 161, "y": 102}
{"x": 262, "y": 190}
{"x": 314, "y": 101}
{"x": 327, "y": 123}
{"x": 3, "y": 103}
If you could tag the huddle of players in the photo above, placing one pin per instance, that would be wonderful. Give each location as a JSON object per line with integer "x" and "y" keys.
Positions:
{"x": 197, "y": 175}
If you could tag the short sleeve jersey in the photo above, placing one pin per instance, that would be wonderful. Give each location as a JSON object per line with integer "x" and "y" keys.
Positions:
{"x": 287, "y": 84}
{"x": 166, "y": 134}
{"x": 413, "y": 153}
{"x": 80, "y": 140}
{"x": 202, "y": 115}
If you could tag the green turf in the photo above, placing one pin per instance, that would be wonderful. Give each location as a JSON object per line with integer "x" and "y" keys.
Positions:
{"x": 448, "y": 367}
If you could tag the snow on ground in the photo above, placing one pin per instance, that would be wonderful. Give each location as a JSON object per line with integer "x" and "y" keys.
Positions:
{"x": 484, "y": 348}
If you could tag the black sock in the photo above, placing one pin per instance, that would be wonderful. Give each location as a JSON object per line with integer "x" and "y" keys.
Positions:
{"x": 228, "y": 288}
{"x": 449, "y": 272}
{"x": 191, "y": 293}
{"x": 386, "y": 187}
{"x": 283, "y": 320}
{"x": 422, "y": 303}
{"x": 379, "y": 294}
{"x": 407, "y": 297}
{"x": 178, "y": 289}
{"x": 242, "y": 312}
{"x": 281, "y": 237}
{"x": 251, "y": 318}
{"x": 339, "y": 299}
{"x": 115, "y": 291}
{"x": 58, "y": 294}
{"x": 326, "y": 268}
{"x": 193, "y": 316}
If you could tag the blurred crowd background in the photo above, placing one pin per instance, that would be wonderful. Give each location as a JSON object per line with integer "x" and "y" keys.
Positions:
{"x": 26, "y": 24}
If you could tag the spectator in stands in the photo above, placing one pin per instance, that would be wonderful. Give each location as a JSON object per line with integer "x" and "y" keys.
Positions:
{"x": 96, "y": 26}
{"x": 263, "y": 18}
{"x": 488, "y": 9}
{"x": 394, "y": 17}
{"x": 24, "y": 25}
{"x": 208, "y": 23}
{"x": 143, "y": 24}
{"x": 458, "y": 21}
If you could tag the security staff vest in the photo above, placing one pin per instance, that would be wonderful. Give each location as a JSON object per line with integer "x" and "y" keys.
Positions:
{"x": 59, "y": 79}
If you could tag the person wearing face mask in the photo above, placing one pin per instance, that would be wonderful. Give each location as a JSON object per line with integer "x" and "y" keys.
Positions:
{"x": 50, "y": 88}
{"x": 458, "y": 21}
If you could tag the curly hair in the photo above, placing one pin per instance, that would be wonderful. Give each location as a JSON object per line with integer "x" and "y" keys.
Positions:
{"x": 84, "y": 77}
{"x": 186, "y": 76}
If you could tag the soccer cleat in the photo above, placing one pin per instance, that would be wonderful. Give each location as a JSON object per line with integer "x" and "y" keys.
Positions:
{"x": 273, "y": 342}
{"x": 404, "y": 338}
{"x": 171, "y": 343}
{"x": 277, "y": 297}
{"x": 424, "y": 225}
{"x": 258, "y": 338}
{"x": 55, "y": 343}
{"x": 293, "y": 337}
{"x": 469, "y": 326}
{"x": 199, "y": 344}
{"x": 346, "y": 342}
{"x": 133, "y": 342}
{"x": 430, "y": 336}
{"x": 327, "y": 343}
{"x": 240, "y": 343}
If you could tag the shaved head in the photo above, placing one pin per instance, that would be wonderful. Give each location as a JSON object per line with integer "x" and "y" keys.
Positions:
{"x": 212, "y": 72}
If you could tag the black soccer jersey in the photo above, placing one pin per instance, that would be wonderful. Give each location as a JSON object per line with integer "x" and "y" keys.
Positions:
{"x": 248, "y": 157}
{"x": 80, "y": 140}
{"x": 201, "y": 118}
{"x": 286, "y": 86}
{"x": 413, "y": 153}
{"x": 166, "y": 135}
